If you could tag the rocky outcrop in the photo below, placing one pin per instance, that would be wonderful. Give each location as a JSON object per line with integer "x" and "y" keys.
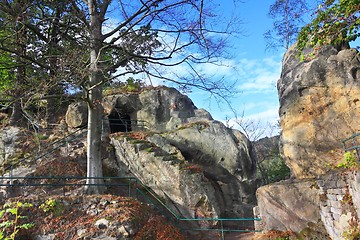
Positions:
{"x": 198, "y": 166}
{"x": 156, "y": 109}
{"x": 183, "y": 188}
{"x": 323, "y": 208}
{"x": 319, "y": 106}
{"x": 160, "y": 109}
{"x": 201, "y": 170}
{"x": 8, "y": 144}
{"x": 290, "y": 205}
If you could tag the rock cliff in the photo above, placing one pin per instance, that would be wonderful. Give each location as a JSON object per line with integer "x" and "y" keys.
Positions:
{"x": 319, "y": 107}
{"x": 198, "y": 166}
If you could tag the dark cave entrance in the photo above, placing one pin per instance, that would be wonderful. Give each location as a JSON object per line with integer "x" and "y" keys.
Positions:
{"x": 119, "y": 122}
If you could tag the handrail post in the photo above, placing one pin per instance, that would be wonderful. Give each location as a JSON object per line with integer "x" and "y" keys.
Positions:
{"x": 11, "y": 175}
{"x": 129, "y": 187}
{"x": 136, "y": 188}
{"x": 67, "y": 149}
{"x": 222, "y": 230}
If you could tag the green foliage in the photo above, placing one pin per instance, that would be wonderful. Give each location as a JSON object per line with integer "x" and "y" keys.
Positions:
{"x": 12, "y": 220}
{"x": 6, "y": 73}
{"x": 131, "y": 85}
{"x": 274, "y": 169}
{"x": 52, "y": 206}
{"x": 350, "y": 161}
{"x": 336, "y": 22}
{"x": 353, "y": 232}
{"x": 49, "y": 205}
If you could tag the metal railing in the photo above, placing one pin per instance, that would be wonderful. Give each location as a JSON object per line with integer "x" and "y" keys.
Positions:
{"x": 48, "y": 149}
{"x": 352, "y": 143}
{"x": 221, "y": 221}
{"x": 134, "y": 186}
{"x": 126, "y": 125}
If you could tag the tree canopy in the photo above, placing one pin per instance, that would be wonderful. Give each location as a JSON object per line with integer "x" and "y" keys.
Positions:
{"x": 335, "y": 22}
{"x": 85, "y": 44}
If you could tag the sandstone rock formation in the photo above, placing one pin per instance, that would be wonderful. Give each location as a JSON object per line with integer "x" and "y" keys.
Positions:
{"x": 323, "y": 208}
{"x": 160, "y": 109}
{"x": 197, "y": 165}
{"x": 200, "y": 170}
{"x": 8, "y": 146}
{"x": 319, "y": 107}
{"x": 289, "y": 205}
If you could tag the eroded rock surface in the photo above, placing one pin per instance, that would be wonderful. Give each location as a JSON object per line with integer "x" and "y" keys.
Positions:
{"x": 323, "y": 208}
{"x": 8, "y": 144}
{"x": 76, "y": 115}
{"x": 319, "y": 107}
{"x": 160, "y": 109}
{"x": 289, "y": 205}
{"x": 201, "y": 170}
{"x": 197, "y": 165}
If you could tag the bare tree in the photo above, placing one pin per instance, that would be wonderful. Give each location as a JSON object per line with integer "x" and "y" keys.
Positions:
{"x": 92, "y": 42}
{"x": 148, "y": 37}
{"x": 288, "y": 18}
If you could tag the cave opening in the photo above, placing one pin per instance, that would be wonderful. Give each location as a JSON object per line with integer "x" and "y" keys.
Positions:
{"x": 119, "y": 122}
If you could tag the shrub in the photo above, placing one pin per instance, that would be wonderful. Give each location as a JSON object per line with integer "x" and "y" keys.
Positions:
{"x": 12, "y": 220}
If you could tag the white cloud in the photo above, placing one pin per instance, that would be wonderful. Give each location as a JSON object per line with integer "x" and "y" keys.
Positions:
{"x": 260, "y": 76}
{"x": 257, "y": 125}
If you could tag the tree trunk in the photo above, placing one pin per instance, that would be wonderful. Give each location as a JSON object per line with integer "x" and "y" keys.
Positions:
{"x": 16, "y": 118}
{"x": 95, "y": 109}
{"x": 52, "y": 104}
{"x": 94, "y": 162}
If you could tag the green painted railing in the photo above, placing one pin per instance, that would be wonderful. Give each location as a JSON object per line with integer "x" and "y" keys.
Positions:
{"x": 352, "y": 143}
{"x": 221, "y": 221}
{"x": 140, "y": 188}
{"x": 50, "y": 149}
{"x": 132, "y": 184}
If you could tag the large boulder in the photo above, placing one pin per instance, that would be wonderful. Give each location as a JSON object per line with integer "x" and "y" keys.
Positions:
{"x": 323, "y": 208}
{"x": 157, "y": 109}
{"x": 202, "y": 169}
{"x": 8, "y": 144}
{"x": 224, "y": 154}
{"x": 76, "y": 115}
{"x": 289, "y": 205}
{"x": 319, "y": 107}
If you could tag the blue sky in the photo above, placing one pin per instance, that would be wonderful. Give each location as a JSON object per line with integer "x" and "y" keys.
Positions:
{"x": 255, "y": 69}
